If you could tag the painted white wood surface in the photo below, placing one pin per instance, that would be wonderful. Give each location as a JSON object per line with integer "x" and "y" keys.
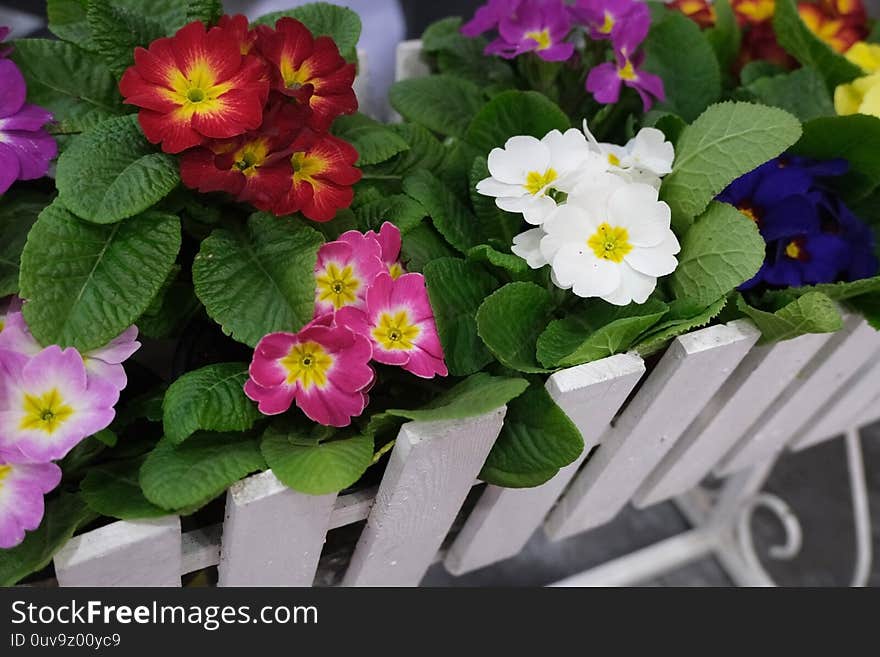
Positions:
{"x": 821, "y": 379}
{"x": 409, "y": 63}
{"x": 124, "y": 553}
{"x": 760, "y": 378}
{"x": 201, "y": 548}
{"x": 431, "y": 470}
{"x": 843, "y": 412}
{"x": 690, "y": 372}
{"x": 272, "y": 535}
{"x": 505, "y": 518}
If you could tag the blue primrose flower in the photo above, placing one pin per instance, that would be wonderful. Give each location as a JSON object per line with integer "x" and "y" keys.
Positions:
{"x": 812, "y": 236}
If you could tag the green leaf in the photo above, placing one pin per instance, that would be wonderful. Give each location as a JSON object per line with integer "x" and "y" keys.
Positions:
{"x": 114, "y": 490}
{"x": 115, "y": 33}
{"x": 494, "y": 222}
{"x": 373, "y": 141}
{"x": 207, "y": 11}
{"x": 683, "y": 316}
{"x": 169, "y": 311}
{"x": 512, "y": 264}
{"x": 855, "y": 138}
{"x": 536, "y": 440}
{"x": 402, "y": 211}
{"x": 68, "y": 18}
{"x": 18, "y": 212}
{"x": 86, "y": 283}
{"x": 450, "y": 216}
{"x": 463, "y": 57}
{"x": 722, "y": 250}
{"x": 457, "y": 289}
{"x": 811, "y": 313}
{"x": 64, "y": 516}
{"x": 726, "y": 141}
{"x": 421, "y": 245}
{"x": 725, "y": 36}
{"x": 324, "y": 19}
{"x": 73, "y": 84}
{"x": 316, "y": 468}
{"x": 440, "y": 103}
{"x": 680, "y": 54}
{"x": 211, "y": 399}
{"x": 259, "y": 279}
{"x": 841, "y": 291}
{"x": 190, "y": 475}
{"x": 510, "y": 320}
{"x": 597, "y": 330}
{"x": 478, "y": 394}
{"x": 425, "y": 152}
{"x": 801, "y": 92}
{"x": 793, "y": 35}
{"x": 754, "y": 71}
{"x": 513, "y": 113}
{"x": 112, "y": 172}
{"x": 869, "y": 306}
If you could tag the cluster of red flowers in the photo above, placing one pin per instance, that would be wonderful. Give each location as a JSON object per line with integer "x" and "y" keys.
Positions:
{"x": 839, "y": 23}
{"x": 249, "y": 108}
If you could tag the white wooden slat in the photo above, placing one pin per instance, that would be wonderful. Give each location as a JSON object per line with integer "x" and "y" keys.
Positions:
{"x": 432, "y": 468}
{"x": 361, "y": 84}
{"x": 505, "y": 518}
{"x": 870, "y": 414}
{"x": 124, "y": 553}
{"x": 760, "y": 378}
{"x": 201, "y": 548}
{"x": 690, "y": 372}
{"x": 822, "y": 377}
{"x": 272, "y": 535}
{"x": 843, "y": 412}
{"x": 409, "y": 62}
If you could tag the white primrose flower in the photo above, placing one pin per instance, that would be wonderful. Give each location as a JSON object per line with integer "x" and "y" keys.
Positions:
{"x": 645, "y": 158}
{"x": 612, "y": 239}
{"x": 528, "y": 172}
{"x": 527, "y": 246}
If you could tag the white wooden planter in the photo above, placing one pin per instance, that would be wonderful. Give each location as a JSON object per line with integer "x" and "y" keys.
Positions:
{"x": 714, "y": 402}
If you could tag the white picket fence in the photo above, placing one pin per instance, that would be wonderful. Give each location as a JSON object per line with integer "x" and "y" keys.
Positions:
{"x": 714, "y": 403}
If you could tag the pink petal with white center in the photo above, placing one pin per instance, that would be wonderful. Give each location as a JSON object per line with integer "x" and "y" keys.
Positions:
{"x": 119, "y": 349}
{"x": 16, "y": 336}
{"x": 344, "y": 270}
{"x": 270, "y": 401}
{"x": 22, "y": 487}
{"x": 265, "y": 369}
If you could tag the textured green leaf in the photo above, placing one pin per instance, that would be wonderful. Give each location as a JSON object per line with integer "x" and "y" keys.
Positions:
{"x": 190, "y": 475}
{"x": 801, "y": 92}
{"x": 373, "y": 141}
{"x": 425, "y": 152}
{"x": 114, "y": 490}
{"x": 404, "y": 212}
{"x": 869, "y": 306}
{"x": 211, "y": 399}
{"x": 512, "y": 264}
{"x": 18, "y": 212}
{"x": 64, "y": 516}
{"x": 207, "y": 11}
{"x": 812, "y": 313}
{"x": 68, "y": 18}
{"x": 421, "y": 245}
{"x": 116, "y": 32}
{"x": 793, "y": 35}
{"x": 478, "y": 394}
{"x": 597, "y": 330}
{"x": 112, "y": 172}
{"x": 842, "y": 291}
{"x": 536, "y": 440}
{"x": 513, "y": 113}
{"x": 680, "y": 54}
{"x": 726, "y": 141}
{"x": 725, "y": 36}
{"x": 457, "y": 289}
{"x": 259, "y": 279}
{"x": 722, "y": 250}
{"x": 463, "y": 57}
{"x": 316, "y": 468}
{"x": 450, "y": 216}
{"x": 682, "y": 317}
{"x": 324, "y": 19}
{"x": 441, "y": 103}
{"x": 87, "y": 283}
{"x": 510, "y": 320}
{"x": 73, "y": 84}
{"x": 170, "y": 311}
{"x": 758, "y": 69}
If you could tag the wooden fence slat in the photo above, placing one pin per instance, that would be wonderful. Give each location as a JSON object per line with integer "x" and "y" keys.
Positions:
{"x": 409, "y": 63}
{"x": 842, "y": 412}
{"x": 124, "y": 553}
{"x": 505, "y": 518}
{"x": 690, "y": 372}
{"x": 820, "y": 379}
{"x": 272, "y": 535}
{"x": 760, "y": 378}
{"x": 432, "y": 468}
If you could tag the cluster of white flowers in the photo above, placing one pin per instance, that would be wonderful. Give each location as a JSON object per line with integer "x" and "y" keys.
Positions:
{"x": 600, "y": 225}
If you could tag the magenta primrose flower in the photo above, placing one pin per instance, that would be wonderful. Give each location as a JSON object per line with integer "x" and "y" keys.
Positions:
{"x": 22, "y": 487}
{"x": 344, "y": 270}
{"x": 605, "y": 80}
{"x": 25, "y": 147}
{"x": 390, "y": 241}
{"x": 537, "y": 26}
{"x": 488, "y": 16}
{"x": 624, "y": 22}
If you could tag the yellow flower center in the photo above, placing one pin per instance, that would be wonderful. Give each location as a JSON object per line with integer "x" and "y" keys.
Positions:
{"x": 537, "y": 181}
{"x": 396, "y": 270}
{"x": 294, "y": 78}
{"x": 396, "y": 332}
{"x": 627, "y": 72}
{"x": 306, "y": 167}
{"x": 610, "y": 242}
{"x": 5, "y": 471}
{"x": 46, "y": 412}
{"x": 2, "y": 324}
{"x": 608, "y": 25}
{"x": 307, "y": 364}
{"x": 196, "y": 90}
{"x": 338, "y": 285}
{"x": 251, "y": 156}
{"x": 748, "y": 213}
{"x": 613, "y": 160}
{"x": 793, "y": 250}
{"x": 757, "y": 10}
{"x": 542, "y": 38}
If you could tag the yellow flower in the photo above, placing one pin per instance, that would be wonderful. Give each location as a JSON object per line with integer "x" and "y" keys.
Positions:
{"x": 861, "y": 96}
{"x": 865, "y": 55}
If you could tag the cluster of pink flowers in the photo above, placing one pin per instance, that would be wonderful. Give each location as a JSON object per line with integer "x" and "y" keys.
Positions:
{"x": 547, "y": 28}
{"x": 50, "y": 400}
{"x": 367, "y": 308}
